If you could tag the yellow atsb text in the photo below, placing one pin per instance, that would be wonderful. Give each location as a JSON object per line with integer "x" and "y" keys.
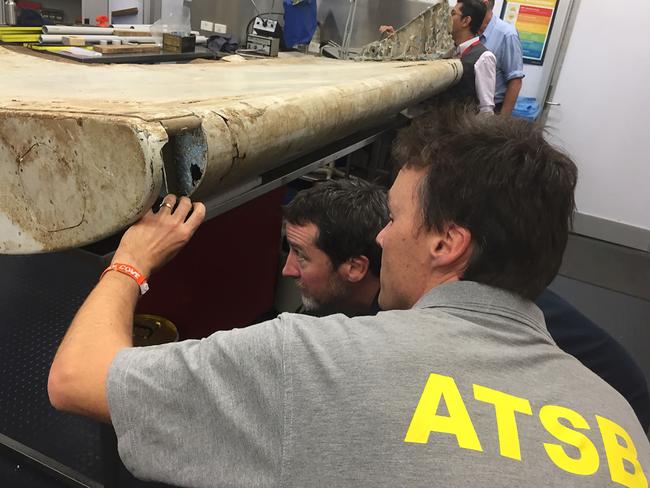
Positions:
{"x": 619, "y": 448}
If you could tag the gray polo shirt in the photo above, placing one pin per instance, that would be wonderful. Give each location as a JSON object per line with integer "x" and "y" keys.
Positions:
{"x": 465, "y": 389}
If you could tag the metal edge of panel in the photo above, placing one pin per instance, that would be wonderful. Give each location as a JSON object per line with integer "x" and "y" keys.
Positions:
{"x": 294, "y": 170}
{"x": 45, "y": 464}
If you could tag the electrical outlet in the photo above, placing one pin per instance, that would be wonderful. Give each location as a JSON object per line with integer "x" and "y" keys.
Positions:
{"x": 207, "y": 25}
{"x": 220, "y": 28}
{"x": 265, "y": 25}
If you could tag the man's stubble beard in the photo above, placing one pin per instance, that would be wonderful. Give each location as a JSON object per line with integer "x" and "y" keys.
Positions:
{"x": 309, "y": 304}
{"x": 333, "y": 302}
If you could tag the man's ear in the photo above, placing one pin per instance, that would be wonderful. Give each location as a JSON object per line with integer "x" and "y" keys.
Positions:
{"x": 452, "y": 247}
{"x": 354, "y": 269}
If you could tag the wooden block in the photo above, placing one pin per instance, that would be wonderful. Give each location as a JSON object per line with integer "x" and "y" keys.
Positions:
{"x": 131, "y": 33}
{"x": 73, "y": 41}
{"x": 178, "y": 44}
{"x": 125, "y": 12}
{"x": 128, "y": 48}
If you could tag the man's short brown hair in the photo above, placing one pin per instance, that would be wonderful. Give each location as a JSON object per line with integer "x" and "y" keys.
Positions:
{"x": 499, "y": 178}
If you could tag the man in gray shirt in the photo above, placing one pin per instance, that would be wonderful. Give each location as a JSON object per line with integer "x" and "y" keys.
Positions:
{"x": 336, "y": 266}
{"x": 458, "y": 384}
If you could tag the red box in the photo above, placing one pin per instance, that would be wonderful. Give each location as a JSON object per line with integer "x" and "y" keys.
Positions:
{"x": 226, "y": 276}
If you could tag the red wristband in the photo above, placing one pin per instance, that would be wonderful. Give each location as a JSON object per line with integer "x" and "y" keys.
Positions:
{"x": 129, "y": 270}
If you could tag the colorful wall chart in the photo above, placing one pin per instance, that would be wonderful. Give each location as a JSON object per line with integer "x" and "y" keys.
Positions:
{"x": 533, "y": 19}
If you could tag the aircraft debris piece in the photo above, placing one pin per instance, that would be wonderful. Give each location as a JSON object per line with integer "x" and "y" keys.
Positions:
{"x": 86, "y": 149}
{"x": 425, "y": 37}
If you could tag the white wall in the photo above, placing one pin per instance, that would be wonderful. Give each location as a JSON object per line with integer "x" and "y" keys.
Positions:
{"x": 603, "y": 88}
{"x": 603, "y": 120}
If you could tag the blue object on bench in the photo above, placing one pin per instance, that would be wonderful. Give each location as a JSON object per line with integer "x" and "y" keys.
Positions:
{"x": 526, "y": 108}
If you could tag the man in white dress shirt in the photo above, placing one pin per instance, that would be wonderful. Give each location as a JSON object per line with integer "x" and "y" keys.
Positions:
{"x": 478, "y": 82}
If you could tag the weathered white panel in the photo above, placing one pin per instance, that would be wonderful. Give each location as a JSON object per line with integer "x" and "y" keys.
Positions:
{"x": 91, "y": 137}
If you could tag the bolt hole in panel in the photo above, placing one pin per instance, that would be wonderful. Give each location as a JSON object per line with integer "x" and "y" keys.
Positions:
{"x": 190, "y": 151}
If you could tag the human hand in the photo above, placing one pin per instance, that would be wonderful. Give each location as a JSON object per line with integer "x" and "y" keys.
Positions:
{"x": 386, "y": 29}
{"x": 157, "y": 237}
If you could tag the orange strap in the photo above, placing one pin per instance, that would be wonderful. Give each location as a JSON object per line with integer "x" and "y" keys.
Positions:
{"x": 129, "y": 270}
{"x": 469, "y": 48}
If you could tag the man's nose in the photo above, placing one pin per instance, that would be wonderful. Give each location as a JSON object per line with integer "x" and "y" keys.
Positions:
{"x": 290, "y": 269}
{"x": 380, "y": 237}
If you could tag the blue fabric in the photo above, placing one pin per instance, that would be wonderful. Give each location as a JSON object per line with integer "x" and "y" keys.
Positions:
{"x": 502, "y": 39}
{"x": 299, "y": 22}
{"x": 526, "y": 108}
